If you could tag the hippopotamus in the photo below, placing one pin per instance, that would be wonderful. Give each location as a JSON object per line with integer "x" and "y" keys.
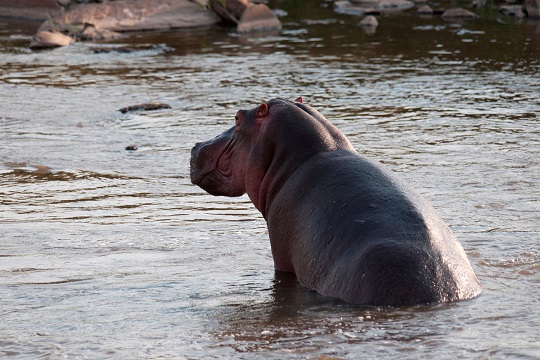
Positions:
{"x": 344, "y": 224}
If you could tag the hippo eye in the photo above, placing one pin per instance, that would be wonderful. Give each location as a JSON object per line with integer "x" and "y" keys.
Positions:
{"x": 238, "y": 121}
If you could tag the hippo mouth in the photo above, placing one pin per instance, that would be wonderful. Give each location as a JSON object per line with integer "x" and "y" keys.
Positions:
{"x": 202, "y": 174}
{"x": 223, "y": 164}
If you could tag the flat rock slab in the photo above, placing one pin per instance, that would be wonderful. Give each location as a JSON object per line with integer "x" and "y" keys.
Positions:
{"x": 134, "y": 15}
{"x": 107, "y": 19}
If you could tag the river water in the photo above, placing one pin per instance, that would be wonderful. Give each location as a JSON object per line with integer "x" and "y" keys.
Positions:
{"x": 109, "y": 253}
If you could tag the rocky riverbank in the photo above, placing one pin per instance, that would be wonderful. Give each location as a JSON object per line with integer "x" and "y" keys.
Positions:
{"x": 449, "y": 12}
{"x": 69, "y": 21}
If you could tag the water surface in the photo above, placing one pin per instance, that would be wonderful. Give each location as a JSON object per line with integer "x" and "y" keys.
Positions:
{"x": 108, "y": 253}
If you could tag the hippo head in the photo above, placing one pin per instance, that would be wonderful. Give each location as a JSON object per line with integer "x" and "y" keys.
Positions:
{"x": 264, "y": 147}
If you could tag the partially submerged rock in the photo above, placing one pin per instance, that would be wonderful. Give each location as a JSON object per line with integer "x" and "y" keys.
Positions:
{"x": 348, "y": 8}
{"x": 361, "y": 7}
{"x": 512, "y": 10}
{"x": 27, "y": 168}
{"x": 136, "y": 15}
{"x": 258, "y": 18}
{"x": 458, "y": 13}
{"x": 394, "y": 5}
{"x": 46, "y": 39}
{"x": 248, "y": 17}
{"x": 425, "y": 10}
{"x": 369, "y": 21}
{"x": 149, "y": 107}
{"x": 369, "y": 24}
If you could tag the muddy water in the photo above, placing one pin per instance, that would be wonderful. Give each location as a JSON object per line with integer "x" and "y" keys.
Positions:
{"x": 108, "y": 253}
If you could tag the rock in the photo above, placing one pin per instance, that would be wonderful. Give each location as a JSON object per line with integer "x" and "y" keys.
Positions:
{"x": 508, "y": 9}
{"x": 50, "y": 39}
{"x": 41, "y": 170}
{"x": 512, "y": 10}
{"x": 425, "y": 10}
{"x": 361, "y": 7}
{"x": 24, "y": 167}
{"x": 30, "y": 9}
{"x": 248, "y": 17}
{"x": 533, "y": 8}
{"x": 349, "y": 8}
{"x": 369, "y": 21}
{"x": 131, "y": 147}
{"x": 394, "y": 5}
{"x": 90, "y": 32}
{"x": 258, "y": 18}
{"x": 458, "y": 13}
{"x": 478, "y": 3}
{"x": 369, "y": 24}
{"x": 149, "y": 107}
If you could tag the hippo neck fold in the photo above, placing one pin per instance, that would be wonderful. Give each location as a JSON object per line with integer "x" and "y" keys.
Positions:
{"x": 276, "y": 175}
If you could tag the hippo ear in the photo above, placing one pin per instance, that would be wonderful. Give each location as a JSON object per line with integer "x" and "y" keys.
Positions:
{"x": 299, "y": 100}
{"x": 262, "y": 111}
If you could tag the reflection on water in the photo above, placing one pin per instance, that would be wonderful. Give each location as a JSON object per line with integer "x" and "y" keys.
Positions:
{"x": 108, "y": 253}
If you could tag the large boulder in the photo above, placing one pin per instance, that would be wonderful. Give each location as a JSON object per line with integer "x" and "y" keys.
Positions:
{"x": 246, "y": 16}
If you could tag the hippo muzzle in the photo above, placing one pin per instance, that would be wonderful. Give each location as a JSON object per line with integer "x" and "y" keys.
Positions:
{"x": 211, "y": 167}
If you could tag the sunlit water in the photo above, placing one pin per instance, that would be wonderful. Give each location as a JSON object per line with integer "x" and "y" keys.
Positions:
{"x": 109, "y": 253}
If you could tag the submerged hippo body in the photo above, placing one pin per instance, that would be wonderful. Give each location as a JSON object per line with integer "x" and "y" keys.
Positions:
{"x": 345, "y": 225}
